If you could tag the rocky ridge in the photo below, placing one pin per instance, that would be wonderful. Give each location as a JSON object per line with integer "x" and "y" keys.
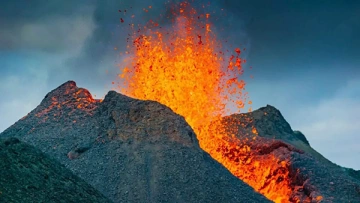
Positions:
{"x": 129, "y": 150}
{"x": 137, "y": 151}
{"x": 312, "y": 177}
{"x": 28, "y": 175}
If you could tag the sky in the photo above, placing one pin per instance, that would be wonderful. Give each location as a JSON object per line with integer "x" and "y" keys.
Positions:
{"x": 304, "y": 56}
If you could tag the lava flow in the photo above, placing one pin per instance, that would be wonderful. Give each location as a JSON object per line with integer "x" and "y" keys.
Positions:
{"x": 183, "y": 68}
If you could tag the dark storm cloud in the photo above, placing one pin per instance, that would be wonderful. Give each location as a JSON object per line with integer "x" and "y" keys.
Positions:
{"x": 98, "y": 60}
{"x": 99, "y": 55}
{"x": 312, "y": 45}
{"x": 36, "y": 37}
{"x": 19, "y": 10}
{"x": 302, "y": 31}
{"x": 50, "y": 26}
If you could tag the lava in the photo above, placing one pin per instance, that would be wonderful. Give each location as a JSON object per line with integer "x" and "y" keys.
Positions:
{"x": 182, "y": 67}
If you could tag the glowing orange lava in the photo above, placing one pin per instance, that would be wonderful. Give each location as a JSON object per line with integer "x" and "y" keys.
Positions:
{"x": 183, "y": 68}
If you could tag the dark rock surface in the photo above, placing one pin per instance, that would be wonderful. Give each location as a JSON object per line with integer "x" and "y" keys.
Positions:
{"x": 28, "y": 175}
{"x": 130, "y": 150}
{"x": 299, "y": 135}
{"x": 313, "y": 177}
{"x": 270, "y": 124}
{"x": 353, "y": 173}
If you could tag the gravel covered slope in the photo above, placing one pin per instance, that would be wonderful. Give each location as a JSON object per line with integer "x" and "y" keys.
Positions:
{"x": 27, "y": 175}
{"x": 313, "y": 178}
{"x": 130, "y": 150}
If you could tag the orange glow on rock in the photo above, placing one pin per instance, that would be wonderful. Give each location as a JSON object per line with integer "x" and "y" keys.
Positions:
{"x": 185, "y": 68}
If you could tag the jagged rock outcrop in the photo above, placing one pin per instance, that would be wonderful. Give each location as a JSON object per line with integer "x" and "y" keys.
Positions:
{"x": 311, "y": 177}
{"x": 28, "y": 175}
{"x": 269, "y": 123}
{"x": 130, "y": 150}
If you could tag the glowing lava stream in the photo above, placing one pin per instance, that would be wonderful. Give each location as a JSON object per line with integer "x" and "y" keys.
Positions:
{"x": 182, "y": 68}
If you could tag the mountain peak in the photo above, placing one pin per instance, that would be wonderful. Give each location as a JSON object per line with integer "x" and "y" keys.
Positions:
{"x": 130, "y": 150}
{"x": 127, "y": 113}
{"x": 113, "y": 95}
{"x": 269, "y": 110}
{"x": 69, "y": 91}
{"x": 268, "y": 122}
{"x": 135, "y": 150}
{"x": 62, "y": 89}
{"x": 67, "y": 96}
{"x": 69, "y": 83}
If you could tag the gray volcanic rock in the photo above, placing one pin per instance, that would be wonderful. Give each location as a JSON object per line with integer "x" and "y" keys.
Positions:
{"x": 270, "y": 124}
{"x": 353, "y": 173}
{"x": 28, "y": 175}
{"x": 299, "y": 135}
{"x": 130, "y": 150}
{"x": 313, "y": 177}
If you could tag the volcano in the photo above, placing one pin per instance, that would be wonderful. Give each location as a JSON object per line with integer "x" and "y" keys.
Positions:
{"x": 130, "y": 150}
{"x": 141, "y": 151}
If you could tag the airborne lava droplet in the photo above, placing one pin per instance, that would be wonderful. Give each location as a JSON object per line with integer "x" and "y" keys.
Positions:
{"x": 200, "y": 42}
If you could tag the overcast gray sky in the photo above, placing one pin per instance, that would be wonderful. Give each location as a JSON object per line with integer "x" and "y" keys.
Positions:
{"x": 304, "y": 54}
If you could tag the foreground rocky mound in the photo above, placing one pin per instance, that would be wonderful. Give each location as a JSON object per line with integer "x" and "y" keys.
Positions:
{"x": 130, "y": 150}
{"x": 27, "y": 175}
{"x": 309, "y": 176}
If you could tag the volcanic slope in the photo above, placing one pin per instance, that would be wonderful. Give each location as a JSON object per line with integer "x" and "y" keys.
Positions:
{"x": 128, "y": 149}
{"x": 312, "y": 177}
{"x": 28, "y": 175}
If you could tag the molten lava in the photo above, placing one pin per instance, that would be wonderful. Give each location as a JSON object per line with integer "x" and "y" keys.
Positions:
{"x": 183, "y": 68}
